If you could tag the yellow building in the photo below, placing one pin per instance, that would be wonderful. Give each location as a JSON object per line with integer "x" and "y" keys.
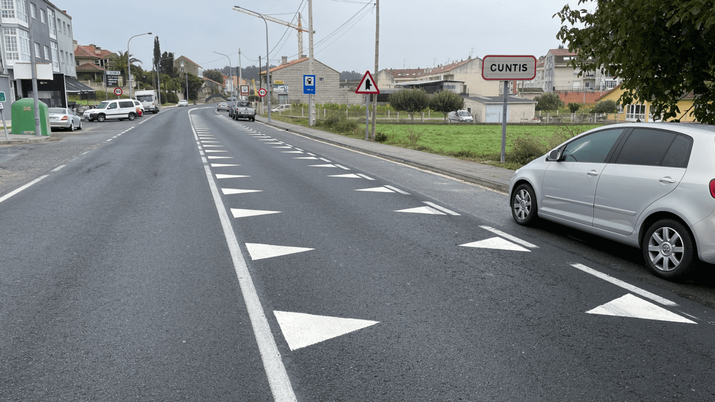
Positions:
{"x": 642, "y": 112}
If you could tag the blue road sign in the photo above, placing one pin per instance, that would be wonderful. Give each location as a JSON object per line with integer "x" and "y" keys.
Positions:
{"x": 309, "y": 84}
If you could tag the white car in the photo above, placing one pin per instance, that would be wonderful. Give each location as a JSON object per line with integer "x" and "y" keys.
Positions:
{"x": 61, "y": 117}
{"x": 112, "y": 109}
{"x": 460, "y": 116}
{"x": 183, "y": 103}
{"x": 282, "y": 108}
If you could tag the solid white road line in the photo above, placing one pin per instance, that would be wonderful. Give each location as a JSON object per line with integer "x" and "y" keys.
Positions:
{"x": 509, "y": 237}
{"x": 624, "y": 285}
{"x": 10, "y": 194}
{"x": 275, "y": 370}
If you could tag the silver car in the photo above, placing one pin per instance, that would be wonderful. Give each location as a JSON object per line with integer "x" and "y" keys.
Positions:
{"x": 61, "y": 117}
{"x": 648, "y": 185}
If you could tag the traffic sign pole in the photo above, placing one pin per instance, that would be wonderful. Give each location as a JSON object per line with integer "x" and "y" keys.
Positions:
{"x": 367, "y": 87}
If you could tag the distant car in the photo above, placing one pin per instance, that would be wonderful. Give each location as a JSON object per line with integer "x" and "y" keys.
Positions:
{"x": 647, "y": 185}
{"x": 222, "y": 106}
{"x": 281, "y": 108}
{"x": 61, "y": 117}
{"x": 183, "y": 103}
{"x": 460, "y": 116}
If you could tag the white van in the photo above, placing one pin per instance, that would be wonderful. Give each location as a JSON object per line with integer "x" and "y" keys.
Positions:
{"x": 149, "y": 100}
{"x": 112, "y": 109}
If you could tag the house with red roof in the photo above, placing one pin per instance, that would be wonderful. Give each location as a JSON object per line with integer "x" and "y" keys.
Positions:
{"x": 91, "y": 62}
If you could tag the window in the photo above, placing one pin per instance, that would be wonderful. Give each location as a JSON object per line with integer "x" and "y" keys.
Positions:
{"x": 47, "y": 52}
{"x": 11, "y": 50}
{"x": 635, "y": 112}
{"x": 33, "y": 10}
{"x": 655, "y": 148}
{"x": 8, "y": 8}
{"x": 14, "y": 9}
{"x": 55, "y": 57}
{"x": 42, "y": 16}
{"x": 51, "y": 23}
{"x": 38, "y": 54}
{"x": 592, "y": 148}
{"x": 23, "y": 39}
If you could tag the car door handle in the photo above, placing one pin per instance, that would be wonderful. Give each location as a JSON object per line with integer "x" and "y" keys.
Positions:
{"x": 592, "y": 173}
{"x": 666, "y": 180}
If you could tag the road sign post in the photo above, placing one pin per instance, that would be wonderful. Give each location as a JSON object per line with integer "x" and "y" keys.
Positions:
{"x": 367, "y": 87}
{"x": 508, "y": 68}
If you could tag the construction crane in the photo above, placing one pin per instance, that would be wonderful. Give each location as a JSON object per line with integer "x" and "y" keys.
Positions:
{"x": 298, "y": 27}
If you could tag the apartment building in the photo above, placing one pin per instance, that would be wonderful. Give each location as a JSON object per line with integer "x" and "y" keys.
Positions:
{"x": 561, "y": 76}
{"x": 41, "y": 28}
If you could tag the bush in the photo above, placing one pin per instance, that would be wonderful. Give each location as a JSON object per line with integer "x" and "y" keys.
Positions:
{"x": 338, "y": 123}
{"x": 380, "y": 137}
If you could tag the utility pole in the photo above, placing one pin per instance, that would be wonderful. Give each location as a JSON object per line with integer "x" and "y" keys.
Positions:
{"x": 240, "y": 75}
{"x": 377, "y": 56}
{"x": 33, "y": 67}
{"x": 311, "y": 105}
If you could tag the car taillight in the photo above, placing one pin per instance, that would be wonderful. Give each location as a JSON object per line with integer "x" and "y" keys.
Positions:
{"x": 65, "y": 118}
{"x": 712, "y": 188}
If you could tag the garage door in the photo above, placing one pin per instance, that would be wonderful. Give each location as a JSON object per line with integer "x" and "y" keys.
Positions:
{"x": 494, "y": 113}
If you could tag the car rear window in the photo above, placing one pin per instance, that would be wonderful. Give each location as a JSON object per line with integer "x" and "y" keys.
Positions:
{"x": 126, "y": 104}
{"x": 655, "y": 148}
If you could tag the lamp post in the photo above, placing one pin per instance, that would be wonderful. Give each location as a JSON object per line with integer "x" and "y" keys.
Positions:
{"x": 268, "y": 73}
{"x": 230, "y": 74}
{"x": 129, "y": 70}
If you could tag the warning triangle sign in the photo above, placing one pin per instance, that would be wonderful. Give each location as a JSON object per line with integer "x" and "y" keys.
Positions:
{"x": 367, "y": 85}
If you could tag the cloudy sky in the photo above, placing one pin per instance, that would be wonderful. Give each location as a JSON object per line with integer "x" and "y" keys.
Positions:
{"x": 413, "y": 33}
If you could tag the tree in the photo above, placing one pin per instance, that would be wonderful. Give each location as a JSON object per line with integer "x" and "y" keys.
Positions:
{"x": 119, "y": 62}
{"x": 548, "y": 101}
{"x": 445, "y": 102}
{"x": 214, "y": 75}
{"x": 195, "y": 84}
{"x": 662, "y": 49}
{"x": 409, "y": 100}
{"x": 607, "y": 106}
{"x": 574, "y": 107}
{"x": 167, "y": 64}
{"x": 157, "y": 54}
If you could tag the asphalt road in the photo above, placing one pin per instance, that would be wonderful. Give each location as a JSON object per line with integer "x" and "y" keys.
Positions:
{"x": 186, "y": 256}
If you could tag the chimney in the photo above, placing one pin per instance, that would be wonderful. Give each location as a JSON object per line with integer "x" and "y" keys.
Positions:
{"x": 284, "y": 60}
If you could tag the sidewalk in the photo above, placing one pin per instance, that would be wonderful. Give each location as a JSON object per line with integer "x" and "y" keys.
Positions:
{"x": 492, "y": 177}
{"x": 16, "y": 138}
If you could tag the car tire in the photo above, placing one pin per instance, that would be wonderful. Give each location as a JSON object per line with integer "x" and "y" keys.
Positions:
{"x": 523, "y": 205}
{"x": 668, "y": 249}
{"x": 80, "y": 125}
{"x": 131, "y": 116}
{"x": 71, "y": 127}
{"x": 101, "y": 118}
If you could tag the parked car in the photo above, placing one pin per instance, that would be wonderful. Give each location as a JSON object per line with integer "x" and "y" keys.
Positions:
{"x": 282, "y": 108}
{"x": 648, "y": 185}
{"x": 460, "y": 116}
{"x": 112, "y": 109}
{"x": 139, "y": 108}
{"x": 183, "y": 103}
{"x": 61, "y": 117}
{"x": 222, "y": 106}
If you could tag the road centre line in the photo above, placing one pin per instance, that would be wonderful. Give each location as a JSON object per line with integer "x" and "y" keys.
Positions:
{"x": 624, "y": 285}
{"x": 12, "y": 193}
{"x": 275, "y": 370}
{"x": 509, "y": 237}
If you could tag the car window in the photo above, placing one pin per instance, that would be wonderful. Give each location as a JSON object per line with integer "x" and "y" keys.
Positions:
{"x": 649, "y": 147}
{"x": 103, "y": 105}
{"x": 592, "y": 148}
{"x": 112, "y": 106}
{"x": 126, "y": 104}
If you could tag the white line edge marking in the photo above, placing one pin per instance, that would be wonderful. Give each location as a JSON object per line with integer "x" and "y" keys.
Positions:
{"x": 397, "y": 190}
{"x": 271, "y": 357}
{"x": 509, "y": 237}
{"x": 14, "y": 192}
{"x": 441, "y": 208}
{"x": 58, "y": 168}
{"x": 624, "y": 285}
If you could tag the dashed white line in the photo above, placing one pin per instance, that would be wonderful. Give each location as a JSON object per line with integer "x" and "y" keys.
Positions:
{"x": 509, "y": 237}
{"x": 441, "y": 208}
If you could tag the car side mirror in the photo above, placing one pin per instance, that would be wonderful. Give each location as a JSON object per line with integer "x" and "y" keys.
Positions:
{"x": 555, "y": 155}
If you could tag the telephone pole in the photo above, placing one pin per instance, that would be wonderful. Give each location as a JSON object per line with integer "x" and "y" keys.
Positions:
{"x": 377, "y": 56}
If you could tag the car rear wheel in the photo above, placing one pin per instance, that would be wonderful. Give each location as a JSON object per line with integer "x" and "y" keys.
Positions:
{"x": 132, "y": 116}
{"x": 668, "y": 249}
{"x": 101, "y": 118}
{"x": 71, "y": 127}
{"x": 523, "y": 205}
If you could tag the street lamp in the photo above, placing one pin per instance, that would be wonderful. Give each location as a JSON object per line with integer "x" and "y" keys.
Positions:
{"x": 129, "y": 70}
{"x": 268, "y": 73}
{"x": 230, "y": 74}
{"x": 186, "y": 75}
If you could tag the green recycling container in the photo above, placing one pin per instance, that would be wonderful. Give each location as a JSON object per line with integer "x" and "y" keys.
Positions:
{"x": 23, "y": 117}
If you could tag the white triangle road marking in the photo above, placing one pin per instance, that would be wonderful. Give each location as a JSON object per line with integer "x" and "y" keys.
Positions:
{"x": 422, "y": 210}
{"x": 263, "y": 251}
{"x": 496, "y": 243}
{"x": 220, "y": 157}
{"x": 323, "y": 166}
{"x": 245, "y": 213}
{"x": 635, "y": 307}
{"x": 305, "y": 157}
{"x": 301, "y": 330}
{"x": 230, "y": 176}
{"x": 216, "y": 165}
{"x": 376, "y": 190}
{"x": 230, "y": 191}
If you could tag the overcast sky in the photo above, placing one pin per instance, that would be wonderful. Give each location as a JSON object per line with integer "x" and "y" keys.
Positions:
{"x": 413, "y": 33}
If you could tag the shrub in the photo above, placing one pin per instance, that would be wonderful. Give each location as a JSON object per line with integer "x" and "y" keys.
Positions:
{"x": 380, "y": 137}
{"x": 526, "y": 148}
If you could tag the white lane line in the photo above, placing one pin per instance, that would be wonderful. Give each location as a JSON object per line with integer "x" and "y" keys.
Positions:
{"x": 509, "y": 237}
{"x": 342, "y": 167}
{"x": 624, "y": 285}
{"x": 10, "y": 194}
{"x": 441, "y": 208}
{"x": 275, "y": 370}
{"x": 397, "y": 190}
{"x": 58, "y": 168}
{"x": 365, "y": 176}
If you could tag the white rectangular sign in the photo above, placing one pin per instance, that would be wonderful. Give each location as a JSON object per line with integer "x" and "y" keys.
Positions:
{"x": 509, "y": 68}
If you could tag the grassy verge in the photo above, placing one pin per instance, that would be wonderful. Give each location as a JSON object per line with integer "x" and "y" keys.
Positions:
{"x": 474, "y": 142}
